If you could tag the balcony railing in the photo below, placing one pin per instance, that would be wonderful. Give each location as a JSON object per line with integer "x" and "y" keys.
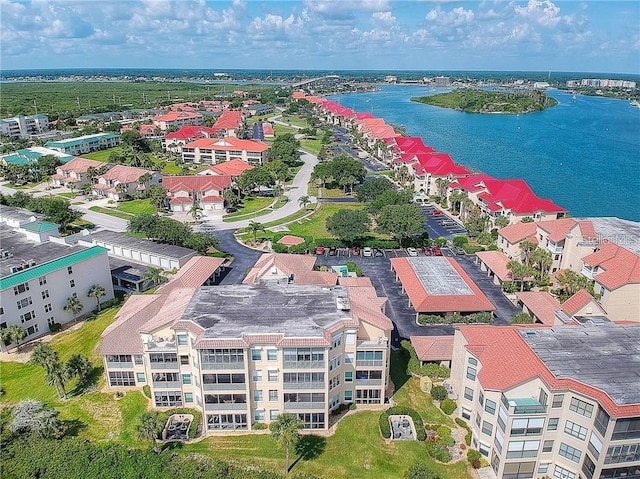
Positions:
{"x": 225, "y": 406}
{"x": 368, "y": 382}
{"x": 304, "y": 405}
{"x": 166, "y": 384}
{"x": 554, "y": 248}
{"x": 525, "y": 406}
{"x": 373, "y": 344}
{"x": 161, "y": 346}
{"x": 370, "y": 362}
{"x": 304, "y": 364}
{"x": 588, "y": 272}
{"x": 171, "y": 365}
{"x": 224, "y": 386}
{"x": 291, "y": 386}
{"x": 119, "y": 365}
{"x": 221, "y": 365}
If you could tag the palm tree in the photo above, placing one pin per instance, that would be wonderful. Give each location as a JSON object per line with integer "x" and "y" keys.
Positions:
{"x": 541, "y": 258}
{"x": 254, "y": 227}
{"x": 97, "y": 291}
{"x": 303, "y": 201}
{"x": 13, "y": 334}
{"x": 148, "y": 428}
{"x": 195, "y": 211}
{"x": 519, "y": 272}
{"x": 78, "y": 366}
{"x": 56, "y": 376}
{"x": 44, "y": 355}
{"x": 526, "y": 249}
{"x": 153, "y": 275}
{"x": 285, "y": 430}
{"x": 121, "y": 188}
{"x": 73, "y": 306}
{"x": 502, "y": 221}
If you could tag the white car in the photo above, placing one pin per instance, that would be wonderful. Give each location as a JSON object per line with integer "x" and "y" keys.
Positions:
{"x": 412, "y": 252}
{"x": 367, "y": 251}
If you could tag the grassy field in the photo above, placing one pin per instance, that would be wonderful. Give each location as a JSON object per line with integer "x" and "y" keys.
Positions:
{"x": 294, "y": 120}
{"x": 102, "y": 155}
{"x": 249, "y": 205}
{"x": 112, "y": 212}
{"x": 316, "y": 228}
{"x": 312, "y": 145}
{"x": 135, "y": 207}
{"x": 171, "y": 168}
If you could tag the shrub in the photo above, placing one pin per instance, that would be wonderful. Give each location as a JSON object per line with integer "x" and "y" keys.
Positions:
{"x": 460, "y": 422}
{"x": 433, "y": 371}
{"x": 55, "y": 327}
{"x": 448, "y": 406}
{"x": 439, "y": 393}
{"x": 443, "y": 431}
{"x": 420, "y": 470}
{"x": 467, "y": 438}
{"x": 474, "y": 457}
{"x": 146, "y": 390}
{"x": 438, "y": 451}
{"x": 448, "y": 440}
{"x": 426, "y": 319}
{"x": 385, "y": 427}
{"x": 259, "y": 425}
{"x": 279, "y": 248}
{"x": 472, "y": 248}
{"x": 460, "y": 241}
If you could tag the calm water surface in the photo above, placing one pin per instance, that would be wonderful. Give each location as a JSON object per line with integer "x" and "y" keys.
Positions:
{"x": 583, "y": 153}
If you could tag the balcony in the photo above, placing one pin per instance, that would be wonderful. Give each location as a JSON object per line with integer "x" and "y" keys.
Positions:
{"x": 119, "y": 365}
{"x": 169, "y": 365}
{"x": 526, "y": 406}
{"x": 369, "y": 382}
{"x": 369, "y": 363}
{"x": 373, "y": 344}
{"x": 224, "y": 386}
{"x": 225, "y": 406}
{"x": 554, "y": 248}
{"x": 221, "y": 365}
{"x": 161, "y": 346}
{"x": 293, "y": 386}
{"x": 304, "y": 365}
{"x": 166, "y": 384}
{"x": 304, "y": 405}
{"x": 587, "y": 271}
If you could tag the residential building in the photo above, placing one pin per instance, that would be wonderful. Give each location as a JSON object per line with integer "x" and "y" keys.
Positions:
{"x": 283, "y": 268}
{"x": 433, "y": 349}
{"x": 175, "y": 140}
{"x": 85, "y": 144}
{"x": 30, "y": 155}
{"x": 431, "y": 171}
{"x": 203, "y": 190}
{"x": 259, "y": 109}
{"x": 230, "y": 123}
{"x": 39, "y": 272}
{"x": 212, "y": 151}
{"x": 21, "y": 126}
{"x": 177, "y": 119}
{"x": 75, "y": 172}
{"x": 290, "y": 348}
{"x": 561, "y": 402}
{"x": 233, "y": 168}
{"x": 545, "y": 309}
{"x": 121, "y": 181}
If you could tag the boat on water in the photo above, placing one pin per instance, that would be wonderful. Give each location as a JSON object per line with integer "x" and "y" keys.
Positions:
{"x": 635, "y": 103}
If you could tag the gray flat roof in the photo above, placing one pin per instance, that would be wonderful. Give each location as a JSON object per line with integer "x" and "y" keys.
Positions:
{"x": 22, "y": 250}
{"x": 624, "y": 233}
{"x": 605, "y": 356}
{"x": 294, "y": 310}
{"x": 18, "y": 214}
{"x": 122, "y": 239}
{"x": 128, "y": 270}
{"x": 438, "y": 277}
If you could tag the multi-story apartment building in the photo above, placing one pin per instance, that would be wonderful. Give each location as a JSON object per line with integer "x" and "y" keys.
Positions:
{"x": 39, "y": 272}
{"x": 75, "y": 172}
{"x": 211, "y": 151}
{"x": 21, "y": 126}
{"x": 85, "y": 144}
{"x": 120, "y": 181}
{"x": 245, "y": 353}
{"x": 561, "y": 402}
{"x": 177, "y": 119}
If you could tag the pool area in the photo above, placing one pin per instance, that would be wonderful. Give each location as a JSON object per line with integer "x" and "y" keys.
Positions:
{"x": 402, "y": 428}
{"x": 177, "y": 427}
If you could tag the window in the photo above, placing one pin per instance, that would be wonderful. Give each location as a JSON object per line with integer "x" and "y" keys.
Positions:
{"x": 304, "y": 398}
{"x": 350, "y": 338}
{"x": 50, "y": 322}
{"x": 471, "y": 373}
{"x": 502, "y": 419}
{"x": 368, "y": 396}
{"x": 23, "y": 303}
{"x": 182, "y": 340}
{"x": 522, "y": 449}
{"x": 466, "y": 413}
{"x": 543, "y": 468}
{"x": 370, "y": 358}
{"x": 519, "y": 470}
{"x": 312, "y": 420}
{"x": 119, "y": 358}
{"x": 223, "y": 378}
{"x": 468, "y": 393}
{"x": 553, "y": 424}
{"x": 273, "y": 394}
{"x": 138, "y": 359}
{"x": 32, "y": 330}
{"x": 140, "y": 378}
{"x": 547, "y": 446}
{"x": 257, "y": 395}
{"x": 272, "y": 375}
{"x": 186, "y": 379}
{"x": 588, "y": 467}
{"x": 484, "y": 449}
{"x": 569, "y": 452}
{"x": 27, "y": 316}
{"x": 75, "y": 295}
{"x": 602, "y": 421}
{"x": 257, "y": 375}
{"x": 557, "y": 401}
{"x": 273, "y": 414}
{"x": 527, "y": 426}
{"x": 348, "y": 377}
{"x": 162, "y": 358}
{"x": 626, "y": 429}
{"x": 223, "y": 355}
{"x": 334, "y": 363}
{"x": 160, "y": 378}
{"x": 47, "y": 308}
{"x": 188, "y": 397}
{"x": 626, "y": 453}
{"x": 348, "y": 396}
{"x": 42, "y": 280}
{"x": 478, "y": 418}
{"x": 272, "y": 355}
{"x": 580, "y": 407}
{"x": 168, "y": 398}
{"x": 214, "y": 398}
{"x": 544, "y": 397}
{"x": 487, "y": 428}
{"x": 334, "y": 382}
{"x": 575, "y": 430}
{"x": 595, "y": 445}
{"x": 256, "y": 354}
{"x": 490, "y": 406}
{"x": 21, "y": 288}
{"x": 336, "y": 340}
{"x": 562, "y": 473}
{"x": 498, "y": 440}
{"x": 70, "y": 269}
{"x": 121, "y": 378}
{"x": 226, "y": 421}
{"x": 72, "y": 283}
{"x": 481, "y": 398}
{"x": 473, "y": 361}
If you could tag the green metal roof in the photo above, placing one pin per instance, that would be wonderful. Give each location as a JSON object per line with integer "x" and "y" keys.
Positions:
{"x": 46, "y": 268}
{"x": 81, "y": 139}
{"x": 38, "y": 226}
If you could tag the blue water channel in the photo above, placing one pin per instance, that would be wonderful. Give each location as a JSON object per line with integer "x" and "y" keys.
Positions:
{"x": 583, "y": 153}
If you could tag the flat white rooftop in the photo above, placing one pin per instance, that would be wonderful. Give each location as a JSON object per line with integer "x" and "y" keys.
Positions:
{"x": 438, "y": 276}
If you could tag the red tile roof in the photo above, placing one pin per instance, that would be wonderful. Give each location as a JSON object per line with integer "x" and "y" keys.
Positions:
{"x": 190, "y": 133}
{"x": 423, "y": 302}
{"x": 80, "y": 165}
{"x": 497, "y": 262}
{"x": 508, "y": 361}
{"x": 557, "y": 229}
{"x": 211, "y": 199}
{"x": 587, "y": 230}
{"x": 576, "y": 302}
{"x": 518, "y": 232}
{"x": 355, "y": 281}
{"x": 287, "y": 263}
{"x": 230, "y": 120}
{"x": 228, "y": 143}
{"x": 541, "y": 304}
{"x": 197, "y": 183}
{"x": 193, "y": 273}
{"x": 433, "y": 348}
{"x": 620, "y": 265}
{"x": 232, "y": 168}
{"x": 124, "y": 174}
{"x": 290, "y": 240}
{"x": 177, "y": 115}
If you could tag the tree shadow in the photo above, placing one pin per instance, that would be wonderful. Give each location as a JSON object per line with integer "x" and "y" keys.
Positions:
{"x": 88, "y": 385}
{"x": 309, "y": 447}
{"x": 398, "y": 368}
{"x": 172, "y": 446}
{"x": 73, "y": 427}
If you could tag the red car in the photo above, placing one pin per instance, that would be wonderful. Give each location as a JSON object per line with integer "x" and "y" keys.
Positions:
{"x": 436, "y": 251}
{"x": 426, "y": 250}
{"x": 320, "y": 250}
{"x": 355, "y": 251}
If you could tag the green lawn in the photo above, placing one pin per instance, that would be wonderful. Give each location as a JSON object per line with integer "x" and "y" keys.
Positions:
{"x": 249, "y": 205}
{"x": 112, "y": 212}
{"x": 294, "y": 120}
{"x": 102, "y": 155}
{"x": 68, "y": 196}
{"x": 333, "y": 193}
{"x": 171, "y": 168}
{"x": 282, "y": 130}
{"x": 136, "y": 207}
{"x": 316, "y": 228}
{"x": 311, "y": 145}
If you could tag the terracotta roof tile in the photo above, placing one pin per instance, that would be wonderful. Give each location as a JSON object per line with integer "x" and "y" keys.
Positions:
{"x": 228, "y": 143}
{"x": 194, "y": 272}
{"x": 497, "y": 262}
{"x": 541, "y": 304}
{"x": 518, "y": 232}
{"x": 80, "y": 165}
{"x": 620, "y": 265}
{"x": 290, "y": 240}
{"x": 231, "y": 168}
{"x": 196, "y": 183}
{"x": 433, "y": 348}
{"x": 125, "y": 174}
{"x": 557, "y": 229}
{"x": 576, "y": 302}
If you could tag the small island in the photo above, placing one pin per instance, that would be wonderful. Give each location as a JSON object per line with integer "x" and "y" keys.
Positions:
{"x": 481, "y": 101}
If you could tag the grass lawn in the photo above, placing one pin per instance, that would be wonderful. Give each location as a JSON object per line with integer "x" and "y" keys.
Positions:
{"x": 294, "y": 120}
{"x": 112, "y": 212}
{"x": 283, "y": 130}
{"x": 171, "y": 168}
{"x": 136, "y": 207}
{"x": 333, "y": 193}
{"x": 311, "y": 145}
{"x": 316, "y": 228}
{"x": 68, "y": 195}
{"x": 249, "y": 205}
{"x": 103, "y": 155}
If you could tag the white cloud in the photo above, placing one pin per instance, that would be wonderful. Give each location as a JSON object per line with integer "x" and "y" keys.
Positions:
{"x": 456, "y": 17}
{"x": 386, "y": 17}
{"x": 543, "y": 12}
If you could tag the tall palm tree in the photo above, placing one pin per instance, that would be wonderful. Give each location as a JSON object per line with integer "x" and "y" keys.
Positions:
{"x": 195, "y": 211}
{"x": 542, "y": 259}
{"x": 255, "y": 227}
{"x": 97, "y": 291}
{"x": 153, "y": 275}
{"x": 78, "y": 366}
{"x": 13, "y": 334}
{"x": 285, "y": 430}
{"x": 56, "y": 376}
{"x": 44, "y": 355}
{"x": 303, "y": 201}
{"x": 519, "y": 272}
{"x": 526, "y": 250}
{"x": 73, "y": 306}
{"x": 148, "y": 428}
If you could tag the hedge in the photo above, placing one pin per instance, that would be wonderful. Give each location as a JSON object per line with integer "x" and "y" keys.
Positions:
{"x": 439, "y": 393}
{"x": 448, "y": 406}
{"x": 146, "y": 390}
{"x": 193, "y": 427}
{"x": 385, "y": 427}
{"x": 426, "y": 319}
{"x": 434, "y": 371}
{"x": 461, "y": 422}
{"x": 439, "y": 452}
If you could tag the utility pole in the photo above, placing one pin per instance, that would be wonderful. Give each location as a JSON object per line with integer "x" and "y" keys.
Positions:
{"x": 35, "y": 106}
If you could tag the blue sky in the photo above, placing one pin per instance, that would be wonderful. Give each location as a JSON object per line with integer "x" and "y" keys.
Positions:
{"x": 533, "y": 35}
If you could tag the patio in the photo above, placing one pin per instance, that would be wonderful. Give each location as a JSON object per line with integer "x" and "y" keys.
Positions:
{"x": 177, "y": 427}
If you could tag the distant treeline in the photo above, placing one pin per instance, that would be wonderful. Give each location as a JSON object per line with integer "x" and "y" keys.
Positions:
{"x": 481, "y": 101}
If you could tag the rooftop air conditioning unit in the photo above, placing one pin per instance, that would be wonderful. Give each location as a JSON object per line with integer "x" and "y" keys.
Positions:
{"x": 343, "y": 303}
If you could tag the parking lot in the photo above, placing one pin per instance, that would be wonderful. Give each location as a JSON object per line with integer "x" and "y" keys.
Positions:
{"x": 439, "y": 224}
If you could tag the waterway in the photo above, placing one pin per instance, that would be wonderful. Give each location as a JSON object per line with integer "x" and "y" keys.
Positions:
{"x": 583, "y": 153}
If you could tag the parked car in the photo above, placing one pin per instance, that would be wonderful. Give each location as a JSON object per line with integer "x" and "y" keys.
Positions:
{"x": 355, "y": 251}
{"x": 436, "y": 251}
{"x": 378, "y": 252}
{"x": 231, "y": 209}
{"x": 333, "y": 251}
{"x": 426, "y": 250}
{"x": 412, "y": 252}
{"x": 320, "y": 250}
{"x": 367, "y": 251}
{"x": 458, "y": 250}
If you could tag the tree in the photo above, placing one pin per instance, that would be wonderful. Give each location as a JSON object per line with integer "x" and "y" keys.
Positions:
{"x": 144, "y": 223}
{"x": 322, "y": 173}
{"x": 420, "y": 470}
{"x": 231, "y": 197}
{"x": 519, "y": 272}
{"x": 371, "y": 189}
{"x": 401, "y": 221}
{"x": 255, "y": 227}
{"x": 44, "y": 355}
{"x": 56, "y": 376}
{"x": 527, "y": 219}
{"x": 502, "y": 221}
{"x": 167, "y": 230}
{"x": 441, "y": 186}
{"x": 201, "y": 242}
{"x": 279, "y": 169}
{"x": 156, "y": 195}
{"x": 13, "y": 334}
{"x": 195, "y": 211}
{"x": 285, "y": 430}
{"x": 348, "y": 225}
{"x": 97, "y": 291}
{"x": 475, "y": 223}
{"x": 153, "y": 275}
{"x": 522, "y": 318}
{"x": 73, "y": 306}
{"x": 303, "y": 201}
{"x": 346, "y": 171}
{"x": 285, "y": 148}
{"x": 388, "y": 197}
{"x": 526, "y": 250}
{"x": 148, "y": 428}
{"x": 250, "y": 180}
{"x": 58, "y": 210}
{"x": 542, "y": 259}
{"x": 33, "y": 417}
{"x": 572, "y": 282}
{"x": 455, "y": 199}
{"x": 78, "y": 366}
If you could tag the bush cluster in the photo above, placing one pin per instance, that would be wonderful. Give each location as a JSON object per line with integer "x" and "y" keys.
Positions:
{"x": 474, "y": 458}
{"x": 146, "y": 390}
{"x": 385, "y": 427}
{"x": 426, "y": 319}
{"x": 420, "y": 470}
{"x": 448, "y": 406}
{"x": 439, "y": 393}
{"x": 467, "y": 437}
{"x": 472, "y": 248}
{"x": 438, "y": 451}
{"x": 434, "y": 371}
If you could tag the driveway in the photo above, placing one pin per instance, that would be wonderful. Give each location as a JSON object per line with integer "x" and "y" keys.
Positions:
{"x": 433, "y": 223}
{"x": 243, "y": 258}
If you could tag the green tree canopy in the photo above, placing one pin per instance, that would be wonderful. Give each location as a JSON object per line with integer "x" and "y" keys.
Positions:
{"x": 144, "y": 223}
{"x": 285, "y": 430}
{"x": 167, "y": 230}
{"x": 401, "y": 221}
{"x": 522, "y": 318}
{"x": 254, "y": 178}
{"x": 201, "y": 242}
{"x": 348, "y": 225}
{"x": 285, "y": 148}
{"x": 371, "y": 189}
{"x": 388, "y": 197}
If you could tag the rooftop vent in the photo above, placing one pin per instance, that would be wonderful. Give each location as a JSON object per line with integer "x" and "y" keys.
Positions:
{"x": 343, "y": 303}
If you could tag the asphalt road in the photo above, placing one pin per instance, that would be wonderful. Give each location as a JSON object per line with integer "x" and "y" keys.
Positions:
{"x": 243, "y": 258}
